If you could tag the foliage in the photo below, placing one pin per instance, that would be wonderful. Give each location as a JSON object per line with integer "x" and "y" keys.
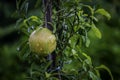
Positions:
{"x": 102, "y": 51}
{"x": 71, "y": 28}
{"x": 106, "y": 50}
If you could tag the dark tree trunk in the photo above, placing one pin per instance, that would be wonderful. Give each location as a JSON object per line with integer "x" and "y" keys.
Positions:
{"x": 48, "y": 13}
{"x": 48, "y": 20}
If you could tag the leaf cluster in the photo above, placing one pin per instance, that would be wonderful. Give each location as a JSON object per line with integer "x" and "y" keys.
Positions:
{"x": 71, "y": 24}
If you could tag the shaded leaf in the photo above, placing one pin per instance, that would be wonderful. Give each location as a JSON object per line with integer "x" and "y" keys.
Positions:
{"x": 93, "y": 76}
{"x": 32, "y": 21}
{"x": 47, "y": 75}
{"x": 107, "y": 69}
{"x": 88, "y": 57}
{"x": 103, "y": 12}
{"x": 90, "y": 8}
{"x": 96, "y": 31}
{"x": 97, "y": 72}
{"x": 87, "y": 42}
{"x": 73, "y": 41}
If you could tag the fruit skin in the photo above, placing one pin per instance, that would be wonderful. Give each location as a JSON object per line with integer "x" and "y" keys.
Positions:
{"x": 42, "y": 41}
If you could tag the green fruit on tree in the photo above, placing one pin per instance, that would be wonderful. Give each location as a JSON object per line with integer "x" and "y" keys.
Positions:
{"x": 42, "y": 41}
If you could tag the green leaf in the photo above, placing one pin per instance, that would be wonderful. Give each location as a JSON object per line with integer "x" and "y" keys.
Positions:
{"x": 94, "y": 18}
{"x": 96, "y": 31}
{"x": 32, "y": 20}
{"x": 73, "y": 41}
{"x": 89, "y": 61}
{"x": 71, "y": 66}
{"x": 103, "y": 12}
{"x": 90, "y": 8}
{"x": 97, "y": 72}
{"x": 87, "y": 42}
{"x": 67, "y": 51}
{"x": 47, "y": 75}
{"x": 107, "y": 69}
{"x": 93, "y": 76}
{"x": 76, "y": 28}
{"x": 74, "y": 54}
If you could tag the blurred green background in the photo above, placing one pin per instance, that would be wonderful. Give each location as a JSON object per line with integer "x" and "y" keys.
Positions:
{"x": 104, "y": 51}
